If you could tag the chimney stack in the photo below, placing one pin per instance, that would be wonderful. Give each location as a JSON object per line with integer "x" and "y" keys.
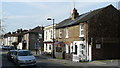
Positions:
{"x": 75, "y": 14}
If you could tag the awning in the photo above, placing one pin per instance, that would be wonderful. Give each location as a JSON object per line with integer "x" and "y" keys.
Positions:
{"x": 57, "y": 43}
{"x": 48, "y": 42}
{"x": 60, "y": 42}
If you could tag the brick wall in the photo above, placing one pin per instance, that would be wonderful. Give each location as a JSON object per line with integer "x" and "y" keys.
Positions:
{"x": 104, "y": 29}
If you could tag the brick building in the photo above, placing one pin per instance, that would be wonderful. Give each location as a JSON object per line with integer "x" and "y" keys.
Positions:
{"x": 89, "y": 36}
{"x": 33, "y": 37}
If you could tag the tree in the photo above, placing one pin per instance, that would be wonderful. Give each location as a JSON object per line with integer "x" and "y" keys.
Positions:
{"x": 15, "y": 44}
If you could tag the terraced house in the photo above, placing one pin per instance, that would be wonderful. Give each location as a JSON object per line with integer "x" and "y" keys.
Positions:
{"x": 48, "y": 39}
{"x": 33, "y": 39}
{"x": 90, "y": 36}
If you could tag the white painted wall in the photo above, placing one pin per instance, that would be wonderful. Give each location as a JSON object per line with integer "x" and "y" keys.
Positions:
{"x": 48, "y": 37}
{"x": 47, "y": 49}
{"x": 19, "y": 46}
{"x": 10, "y": 40}
{"x": 79, "y": 56}
{"x": 26, "y": 37}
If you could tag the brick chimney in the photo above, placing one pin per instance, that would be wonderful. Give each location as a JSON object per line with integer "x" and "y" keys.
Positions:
{"x": 75, "y": 14}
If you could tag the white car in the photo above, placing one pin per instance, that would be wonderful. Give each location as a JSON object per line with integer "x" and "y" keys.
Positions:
{"x": 24, "y": 58}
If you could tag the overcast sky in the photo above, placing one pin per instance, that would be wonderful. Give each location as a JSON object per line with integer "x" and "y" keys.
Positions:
{"x": 27, "y": 14}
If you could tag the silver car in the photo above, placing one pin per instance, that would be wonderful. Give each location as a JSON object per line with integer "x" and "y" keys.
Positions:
{"x": 10, "y": 54}
{"x": 24, "y": 58}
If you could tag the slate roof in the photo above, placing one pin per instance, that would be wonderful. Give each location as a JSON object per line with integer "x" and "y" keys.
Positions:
{"x": 15, "y": 34}
{"x": 82, "y": 18}
{"x": 36, "y": 29}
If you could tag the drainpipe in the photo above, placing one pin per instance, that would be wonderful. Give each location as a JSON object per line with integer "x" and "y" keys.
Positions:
{"x": 90, "y": 55}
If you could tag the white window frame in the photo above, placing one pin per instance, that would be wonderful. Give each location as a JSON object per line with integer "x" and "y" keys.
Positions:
{"x": 50, "y": 47}
{"x": 66, "y": 32}
{"x": 46, "y": 35}
{"x": 40, "y": 35}
{"x": 81, "y": 29}
{"x": 51, "y": 31}
{"x": 98, "y": 46}
{"x": 60, "y": 33}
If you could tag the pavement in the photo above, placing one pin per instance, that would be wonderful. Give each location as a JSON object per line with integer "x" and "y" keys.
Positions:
{"x": 72, "y": 63}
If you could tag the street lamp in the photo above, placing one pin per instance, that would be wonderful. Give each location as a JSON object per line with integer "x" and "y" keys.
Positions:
{"x": 53, "y": 54}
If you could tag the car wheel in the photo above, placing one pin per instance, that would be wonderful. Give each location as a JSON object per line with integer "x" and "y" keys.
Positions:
{"x": 15, "y": 61}
{"x": 34, "y": 65}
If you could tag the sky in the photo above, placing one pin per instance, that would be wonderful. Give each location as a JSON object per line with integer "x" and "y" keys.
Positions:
{"x": 28, "y": 14}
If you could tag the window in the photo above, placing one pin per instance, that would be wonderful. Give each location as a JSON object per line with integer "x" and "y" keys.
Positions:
{"x": 82, "y": 49}
{"x": 98, "y": 46}
{"x": 49, "y": 47}
{"x": 81, "y": 30}
{"x": 51, "y": 34}
{"x": 60, "y": 33}
{"x": 40, "y": 36}
{"x": 66, "y": 32}
{"x": 82, "y": 46}
{"x": 82, "y": 52}
{"x": 46, "y": 46}
{"x": 75, "y": 49}
{"x": 46, "y": 35}
{"x": 58, "y": 49}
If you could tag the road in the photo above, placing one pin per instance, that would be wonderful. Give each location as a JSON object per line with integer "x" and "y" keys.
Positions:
{"x": 43, "y": 62}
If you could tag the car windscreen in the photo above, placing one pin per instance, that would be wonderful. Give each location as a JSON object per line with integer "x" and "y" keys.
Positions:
{"x": 24, "y": 53}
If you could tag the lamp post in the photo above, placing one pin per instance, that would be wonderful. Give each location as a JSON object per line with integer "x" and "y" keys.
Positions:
{"x": 53, "y": 54}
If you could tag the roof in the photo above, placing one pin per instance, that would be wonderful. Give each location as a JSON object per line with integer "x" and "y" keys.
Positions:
{"x": 36, "y": 29}
{"x": 15, "y": 34}
{"x": 60, "y": 42}
{"x": 49, "y": 27}
{"x": 82, "y": 18}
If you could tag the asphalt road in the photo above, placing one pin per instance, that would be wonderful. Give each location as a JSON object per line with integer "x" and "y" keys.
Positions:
{"x": 41, "y": 63}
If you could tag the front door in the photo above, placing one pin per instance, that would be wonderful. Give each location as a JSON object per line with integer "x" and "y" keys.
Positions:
{"x": 79, "y": 51}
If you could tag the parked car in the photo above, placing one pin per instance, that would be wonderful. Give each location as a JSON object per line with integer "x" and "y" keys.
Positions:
{"x": 6, "y": 47}
{"x": 11, "y": 48}
{"x": 1, "y": 46}
{"x": 10, "y": 54}
{"x": 24, "y": 58}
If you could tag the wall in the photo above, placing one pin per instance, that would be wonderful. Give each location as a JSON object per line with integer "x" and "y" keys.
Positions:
{"x": 48, "y": 38}
{"x": 33, "y": 38}
{"x": 73, "y": 35}
{"x": 26, "y": 37}
{"x": 103, "y": 28}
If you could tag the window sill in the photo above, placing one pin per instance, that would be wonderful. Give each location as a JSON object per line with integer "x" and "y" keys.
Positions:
{"x": 66, "y": 37}
{"x": 60, "y": 38}
{"x": 81, "y": 36}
